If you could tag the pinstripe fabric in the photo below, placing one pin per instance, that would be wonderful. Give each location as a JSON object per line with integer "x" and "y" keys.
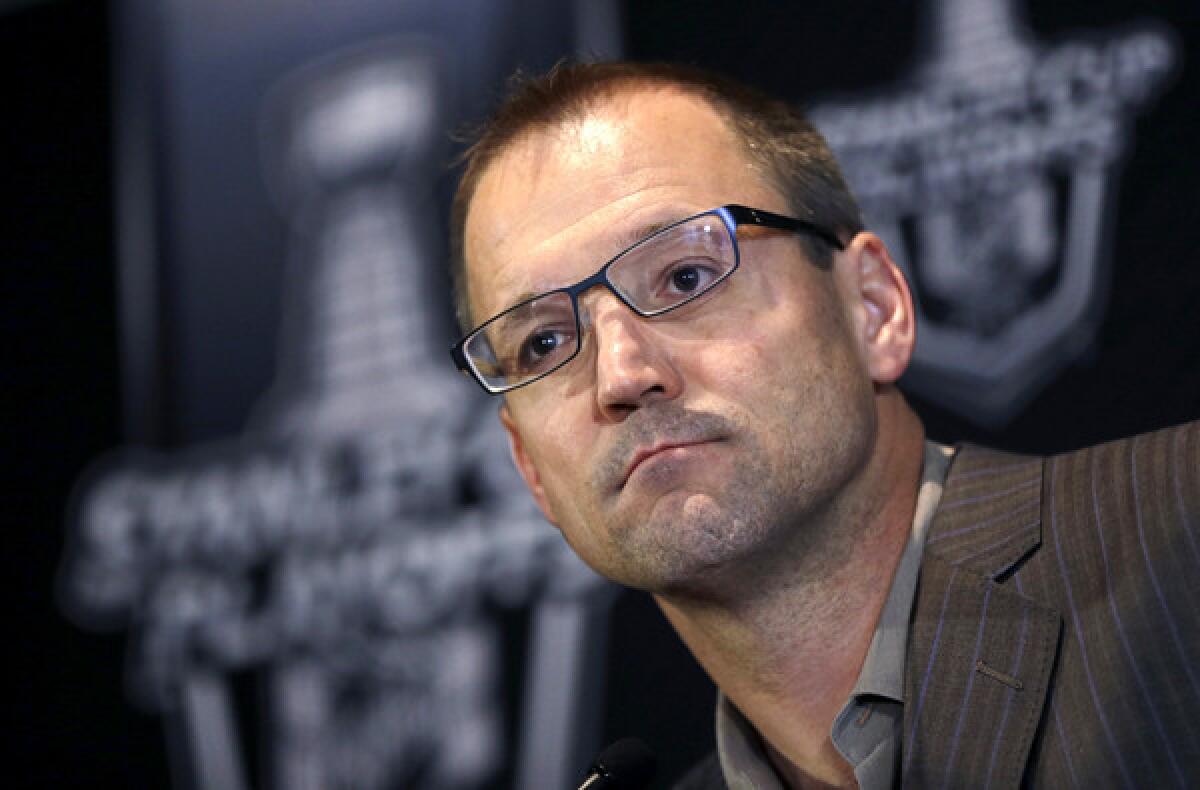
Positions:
{"x": 1056, "y": 628}
{"x": 1077, "y": 578}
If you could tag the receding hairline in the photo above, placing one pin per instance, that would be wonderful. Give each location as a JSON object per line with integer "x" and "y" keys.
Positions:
{"x": 612, "y": 94}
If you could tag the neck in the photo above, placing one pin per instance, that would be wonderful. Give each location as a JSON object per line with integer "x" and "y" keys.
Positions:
{"x": 787, "y": 645}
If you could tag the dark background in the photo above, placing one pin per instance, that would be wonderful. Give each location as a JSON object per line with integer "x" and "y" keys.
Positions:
{"x": 69, "y": 719}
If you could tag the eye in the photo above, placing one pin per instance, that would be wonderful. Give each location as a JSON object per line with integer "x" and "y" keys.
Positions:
{"x": 543, "y": 348}
{"x": 687, "y": 277}
{"x": 542, "y": 343}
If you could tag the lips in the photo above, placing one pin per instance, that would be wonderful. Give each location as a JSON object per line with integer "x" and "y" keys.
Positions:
{"x": 645, "y": 453}
{"x": 652, "y": 429}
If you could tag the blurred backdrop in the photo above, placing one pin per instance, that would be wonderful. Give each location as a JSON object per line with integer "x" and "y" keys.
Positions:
{"x": 259, "y": 535}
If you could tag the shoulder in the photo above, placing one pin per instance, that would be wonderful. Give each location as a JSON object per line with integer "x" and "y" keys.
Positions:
{"x": 1120, "y": 560}
{"x": 1138, "y": 496}
{"x": 1170, "y": 457}
{"x": 998, "y": 507}
{"x": 1122, "y": 516}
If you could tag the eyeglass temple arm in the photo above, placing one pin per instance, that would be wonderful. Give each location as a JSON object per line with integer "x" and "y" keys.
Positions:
{"x": 756, "y": 216}
{"x": 459, "y": 357}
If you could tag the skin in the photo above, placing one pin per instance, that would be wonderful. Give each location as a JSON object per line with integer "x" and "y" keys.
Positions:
{"x": 774, "y": 464}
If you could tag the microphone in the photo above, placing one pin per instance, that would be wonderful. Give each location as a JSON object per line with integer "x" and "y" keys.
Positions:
{"x": 627, "y": 764}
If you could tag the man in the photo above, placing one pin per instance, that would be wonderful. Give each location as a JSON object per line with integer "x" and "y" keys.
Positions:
{"x": 697, "y": 344}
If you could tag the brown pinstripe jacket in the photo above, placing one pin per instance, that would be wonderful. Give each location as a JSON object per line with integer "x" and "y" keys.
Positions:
{"x": 1055, "y": 639}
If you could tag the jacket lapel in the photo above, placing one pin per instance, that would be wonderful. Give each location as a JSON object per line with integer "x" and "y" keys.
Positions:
{"x": 980, "y": 655}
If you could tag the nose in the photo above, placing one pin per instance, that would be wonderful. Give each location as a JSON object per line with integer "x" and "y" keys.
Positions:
{"x": 633, "y": 365}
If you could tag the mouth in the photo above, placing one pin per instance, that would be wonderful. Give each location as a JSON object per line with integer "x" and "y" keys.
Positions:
{"x": 644, "y": 454}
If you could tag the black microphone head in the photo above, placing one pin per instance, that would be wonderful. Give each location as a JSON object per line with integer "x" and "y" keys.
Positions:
{"x": 628, "y": 764}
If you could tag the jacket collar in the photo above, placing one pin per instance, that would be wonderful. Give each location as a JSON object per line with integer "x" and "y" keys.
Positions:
{"x": 990, "y": 516}
{"x": 980, "y": 655}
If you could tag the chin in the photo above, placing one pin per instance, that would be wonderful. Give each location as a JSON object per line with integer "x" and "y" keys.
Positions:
{"x": 687, "y": 546}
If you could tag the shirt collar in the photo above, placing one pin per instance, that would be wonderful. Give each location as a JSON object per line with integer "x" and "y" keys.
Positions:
{"x": 743, "y": 760}
{"x": 882, "y": 672}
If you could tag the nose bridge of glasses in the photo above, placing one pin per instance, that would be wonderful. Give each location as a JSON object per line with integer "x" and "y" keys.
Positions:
{"x": 591, "y": 300}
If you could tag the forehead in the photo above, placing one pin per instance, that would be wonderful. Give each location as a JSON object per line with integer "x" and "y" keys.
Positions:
{"x": 559, "y": 202}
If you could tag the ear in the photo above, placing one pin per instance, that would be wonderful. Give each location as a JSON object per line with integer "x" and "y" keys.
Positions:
{"x": 881, "y": 307}
{"x": 525, "y": 464}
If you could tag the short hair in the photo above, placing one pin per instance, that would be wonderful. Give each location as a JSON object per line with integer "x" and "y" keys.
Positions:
{"x": 775, "y": 135}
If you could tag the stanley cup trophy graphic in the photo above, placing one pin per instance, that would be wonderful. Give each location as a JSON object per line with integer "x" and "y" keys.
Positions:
{"x": 990, "y": 174}
{"x": 352, "y": 147}
{"x": 359, "y": 138}
{"x": 350, "y": 548}
{"x": 351, "y": 143}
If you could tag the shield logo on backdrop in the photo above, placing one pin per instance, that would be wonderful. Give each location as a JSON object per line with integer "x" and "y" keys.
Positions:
{"x": 990, "y": 173}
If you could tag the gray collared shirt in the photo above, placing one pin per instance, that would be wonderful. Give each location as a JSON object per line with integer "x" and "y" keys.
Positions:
{"x": 867, "y": 730}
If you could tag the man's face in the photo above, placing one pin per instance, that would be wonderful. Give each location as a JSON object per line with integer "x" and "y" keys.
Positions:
{"x": 673, "y": 448}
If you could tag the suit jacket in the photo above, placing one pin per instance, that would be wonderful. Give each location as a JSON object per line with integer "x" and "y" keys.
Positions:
{"x": 1055, "y": 638}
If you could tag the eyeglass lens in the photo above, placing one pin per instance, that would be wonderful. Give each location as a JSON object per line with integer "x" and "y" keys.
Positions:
{"x": 658, "y": 274}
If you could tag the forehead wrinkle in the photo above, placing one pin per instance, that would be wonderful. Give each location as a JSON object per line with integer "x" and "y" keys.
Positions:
{"x": 622, "y": 242}
{"x": 504, "y": 228}
{"x": 569, "y": 146}
{"x": 511, "y": 270}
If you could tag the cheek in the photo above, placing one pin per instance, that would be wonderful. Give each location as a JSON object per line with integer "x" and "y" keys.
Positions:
{"x": 555, "y": 453}
{"x": 557, "y": 444}
{"x": 736, "y": 364}
{"x": 788, "y": 376}
{"x": 757, "y": 350}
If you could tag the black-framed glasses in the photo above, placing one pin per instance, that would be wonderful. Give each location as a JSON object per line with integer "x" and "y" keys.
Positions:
{"x": 667, "y": 269}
